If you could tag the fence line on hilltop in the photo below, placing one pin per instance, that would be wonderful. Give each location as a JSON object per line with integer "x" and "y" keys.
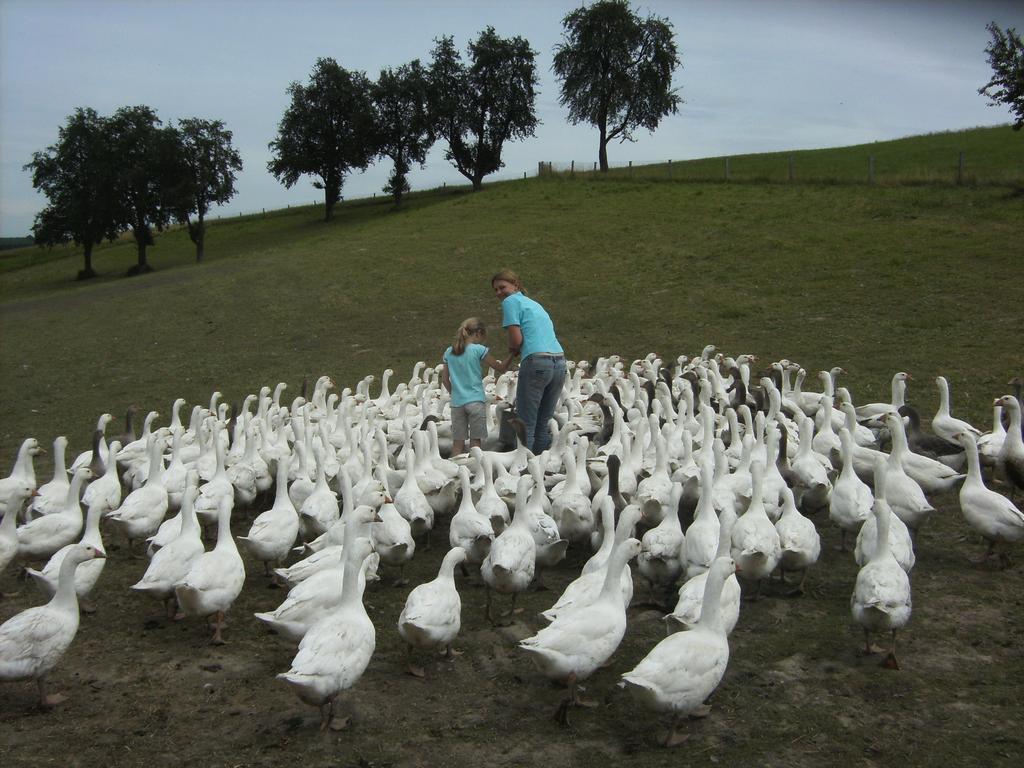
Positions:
{"x": 794, "y": 167}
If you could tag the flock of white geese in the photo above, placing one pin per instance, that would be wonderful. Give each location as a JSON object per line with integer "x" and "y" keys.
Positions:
{"x": 686, "y": 467}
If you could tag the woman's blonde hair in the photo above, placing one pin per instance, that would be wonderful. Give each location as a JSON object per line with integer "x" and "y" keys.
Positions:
{"x": 469, "y": 327}
{"x": 508, "y": 276}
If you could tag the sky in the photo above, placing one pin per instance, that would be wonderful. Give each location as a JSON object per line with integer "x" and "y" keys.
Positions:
{"x": 756, "y": 76}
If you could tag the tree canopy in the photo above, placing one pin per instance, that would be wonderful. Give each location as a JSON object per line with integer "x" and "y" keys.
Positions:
{"x": 326, "y": 131}
{"x": 208, "y": 166}
{"x": 477, "y": 108}
{"x": 77, "y": 176}
{"x": 148, "y": 178}
{"x": 404, "y": 131}
{"x": 616, "y": 71}
{"x": 1005, "y": 53}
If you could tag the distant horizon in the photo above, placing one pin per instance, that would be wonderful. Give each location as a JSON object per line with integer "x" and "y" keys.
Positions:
{"x": 756, "y": 77}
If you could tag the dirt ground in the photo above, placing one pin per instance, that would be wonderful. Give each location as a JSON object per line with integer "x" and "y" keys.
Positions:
{"x": 798, "y": 691}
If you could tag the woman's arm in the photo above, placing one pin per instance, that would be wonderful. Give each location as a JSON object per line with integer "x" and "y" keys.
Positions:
{"x": 515, "y": 339}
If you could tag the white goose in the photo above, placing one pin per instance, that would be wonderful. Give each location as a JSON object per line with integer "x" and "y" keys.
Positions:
{"x": 755, "y": 542}
{"x": 904, "y": 494}
{"x": 8, "y": 531}
{"x": 881, "y": 597}
{"x": 571, "y": 509}
{"x": 51, "y": 495}
{"x": 469, "y": 529}
{"x": 851, "y": 500}
{"x": 991, "y": 514}
{"x": 86, "y": 575}
{"x": 105, "y": 491}
{"x": 900, "y": 543}
{"x": 392, "y": 540}
{"x": 335, "y": 652}
{"x": 172, "y": 561}
{"x": 32, "y": 642}
{"x": 872, "y": 413}
{"x": 490, "y": 504}
{"x": 23, "y": 471}
{"x": 273, "y": 533}
{"x": 411, "y": 502}
{"x": 799, "y": 539}
{"x": 943, "y": 424}
{"x": 684, "y": 669}
{"x": 1011, "y": 454}
{"x": 97, "y": 458}
{"x": 43, "y": 536}
{"x": 662, "y": 558}
{"x": 690, "y": 601}
{"x": 577, "y": 643}
{"x": 432, "y": 615}
{"x": 142, "y": 510}
{"x": 321, "y": 592}
{"x": 584, "y": 589}
{"x": 701, "y": 542}
{"x": 509, "y": 566}
{"x": 320, "y": 508}
{"x": 215, "y": 579}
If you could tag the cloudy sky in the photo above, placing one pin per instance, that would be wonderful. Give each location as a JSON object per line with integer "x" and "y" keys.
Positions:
{"x": 758, "y": 75}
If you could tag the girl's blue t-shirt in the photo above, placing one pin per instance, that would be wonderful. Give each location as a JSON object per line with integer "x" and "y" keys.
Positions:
{"x": 464, "y": 371}
{"x": 534, "y": 322}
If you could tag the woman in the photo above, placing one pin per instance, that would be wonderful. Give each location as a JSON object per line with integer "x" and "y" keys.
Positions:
{"x": 531, "y": 335}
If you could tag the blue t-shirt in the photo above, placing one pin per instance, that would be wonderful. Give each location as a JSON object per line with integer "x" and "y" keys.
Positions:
{"x": 464, "y": 371}
{"x": 533, "y": 321}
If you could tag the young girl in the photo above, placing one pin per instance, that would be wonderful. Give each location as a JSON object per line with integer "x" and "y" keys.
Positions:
{"x": 462, "y": 377}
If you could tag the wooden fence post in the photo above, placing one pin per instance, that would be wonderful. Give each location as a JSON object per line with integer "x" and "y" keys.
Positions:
{"x": 540, "y": 167}
{"x": 572, "y": 167}
{"x": 871, "y": 169}
{"x": 670, "y": 169}
{"x": 631, "y": 169}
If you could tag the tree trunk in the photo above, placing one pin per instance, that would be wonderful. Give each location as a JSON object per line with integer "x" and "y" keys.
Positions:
{"x": 332, "y": 193}
{"x": 602, "y": 152}
{"x": 87, "y": 272}
{"x": 200, "y": 239}
{"x": 143, "y": 238}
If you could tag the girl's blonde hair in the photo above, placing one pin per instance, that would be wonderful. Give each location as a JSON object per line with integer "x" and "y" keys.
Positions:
{"x": 469, "y": 327}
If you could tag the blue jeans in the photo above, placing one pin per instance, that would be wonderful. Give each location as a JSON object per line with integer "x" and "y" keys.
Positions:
{"x": 540, "y": 383}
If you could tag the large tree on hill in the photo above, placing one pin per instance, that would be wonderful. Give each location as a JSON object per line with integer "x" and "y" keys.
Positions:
{"x": 1006, "y": 56}
{"x": 148, "y": 182}
{"x": 616, "y": 71}
{"x": 208, "y": 166}
{"x": 77, "y": 176}
{"x": 327, "y": 130}
{"x": 404, "y": 131}
{"x": 477, "y": 108}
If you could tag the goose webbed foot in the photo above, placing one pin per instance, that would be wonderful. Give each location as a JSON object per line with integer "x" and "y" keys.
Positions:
{"x": 450, "y": 654}
{"x": 86, "y": 606}
{"x": 46, "y": 701}
{"x": 561, "y": 715}
{"x": 673, "y": 738}
{"x": 416, "y": 670}
{"x": 890, "y": 661}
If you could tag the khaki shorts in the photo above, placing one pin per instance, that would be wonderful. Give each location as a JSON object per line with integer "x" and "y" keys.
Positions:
{"x": 469, "y": 421}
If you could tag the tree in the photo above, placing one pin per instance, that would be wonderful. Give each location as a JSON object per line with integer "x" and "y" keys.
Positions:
{"x": 1006, "y": 56}
{"x": 403, "y": 122}
{"x": 209, "y": 163}
{"x": 76, "y": 175}
{"x": 476, "y": 109}
{"x": 327, "y": 130}
{"x": 616, "y": 71}
{"x": 149, "y": 178}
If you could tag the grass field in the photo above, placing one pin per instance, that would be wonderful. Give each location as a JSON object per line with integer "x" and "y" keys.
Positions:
{"x": 923, "y": 278}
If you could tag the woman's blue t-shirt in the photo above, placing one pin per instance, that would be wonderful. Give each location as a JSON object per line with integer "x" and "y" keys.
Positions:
{"x": 464, "y": 371}
{"x": 533, "y": 320}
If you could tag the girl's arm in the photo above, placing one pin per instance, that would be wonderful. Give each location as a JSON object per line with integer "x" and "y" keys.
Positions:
{"x": 445, "y": 378}
{"x": 499, "y": 365}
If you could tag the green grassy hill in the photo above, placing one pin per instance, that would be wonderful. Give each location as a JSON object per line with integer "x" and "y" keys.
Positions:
{"x": 922, "y": 278}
